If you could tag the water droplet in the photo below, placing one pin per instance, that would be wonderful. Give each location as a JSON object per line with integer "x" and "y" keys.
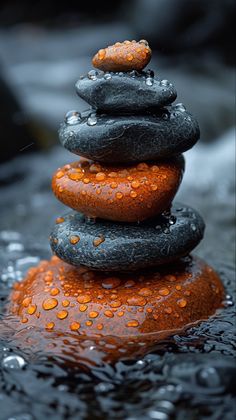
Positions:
{"x": 180, "y": 107}
{"x": 109, "y": 314}
{"x": 133, "y": 73}
{"x": 135, "y": 184}
{"x": 107, "y": 76}
{"x": 72, "y": 117}
{"x": 62, "y": 314}
{"x": 93, "y": 314}
{"x": 182, "y": 303}
{"x": 158, "y": 415}
{"x": 98, "y": 241}
{"x": 164, "y": 291}
{"x": 75, "y": 326}
{"x": 193, "y": 227}
{"x": 111, "y": 283}
{"x": 50, "y": 325}
{"x": 119, "y": 195}
{"x": 13, "y": 362}
{"x": 136, "y": 301}
{"x": 100, "y": 176}
{"x": 120, "y": 73}
{"x": 143, "y": 41}
{"x": 145, "y": 291}
{"x": 172, "y": 220}
{"x": 132, "y": 323}
{"x": 149, "y": 81}
{"x": 74, "y": 239}
{"x": 164, "y": 82}
{"x": 208, "y": 377}
{"x": 49, "y": 304}
{"x": 115, "y": 303}
{"x": 84, "y": 299}
{"x": 130, "y": 57}
{"x": 92, "y": 120}
{"x": 92, "y": 75}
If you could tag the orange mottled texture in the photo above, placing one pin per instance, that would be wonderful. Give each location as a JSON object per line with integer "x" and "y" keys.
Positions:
{"x": 120, "y": 193}
{"x": 123, "y": 56}
{"x": 56, "y": 296}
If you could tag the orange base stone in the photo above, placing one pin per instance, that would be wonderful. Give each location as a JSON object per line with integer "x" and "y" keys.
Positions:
{"x": 123, "y": 56}
{"x": 121, "y": 193}
{"x": 58, "y": 297}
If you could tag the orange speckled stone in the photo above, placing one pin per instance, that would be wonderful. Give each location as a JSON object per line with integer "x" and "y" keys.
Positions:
{"x": 123, "y": 56}
{"x": 119, "y": 193}
{"x": 120, "y": 305}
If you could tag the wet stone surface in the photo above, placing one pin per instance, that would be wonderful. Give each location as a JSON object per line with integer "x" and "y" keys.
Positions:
{"x": 105, "y": 245}
{"x": 130, "y": 138}
{"x": 125, "y": 92}
{"x": 189, "y": 376}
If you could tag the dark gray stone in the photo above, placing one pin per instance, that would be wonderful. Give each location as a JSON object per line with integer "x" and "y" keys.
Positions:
{"x": 126, "y": 247}
{"x": 125, "y": 92}
{"x": 129, "y": 138}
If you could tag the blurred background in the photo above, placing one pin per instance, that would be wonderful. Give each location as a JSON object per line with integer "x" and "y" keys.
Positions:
{"x": 44, "y": 48}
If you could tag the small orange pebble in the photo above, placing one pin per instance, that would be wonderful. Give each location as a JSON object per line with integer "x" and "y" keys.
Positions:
{"x": 126, "y": 193}
{"x": 142, "y": 308}
{"x": 123, "y": 56}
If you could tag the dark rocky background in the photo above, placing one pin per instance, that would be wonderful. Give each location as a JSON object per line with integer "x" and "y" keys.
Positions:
{"x": 44, "y": 48}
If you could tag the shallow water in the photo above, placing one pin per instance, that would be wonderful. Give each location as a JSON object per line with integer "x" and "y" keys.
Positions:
{"x": 187, "y": 376}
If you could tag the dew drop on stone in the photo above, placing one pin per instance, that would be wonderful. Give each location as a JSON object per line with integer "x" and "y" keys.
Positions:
{"x": 92, "y": 75}
{"x": 164, "y": 82}
{"x": 107, "y": 76}
{"x": 208, "y": 377}
{"x": 72, "y": 117}
{"x": 13, "y": 362}
{"x": 158, "y": 415}
{"x": 149, "y": 81}
{"x": 180, "y": 107}
{"x": 92, "y": 120}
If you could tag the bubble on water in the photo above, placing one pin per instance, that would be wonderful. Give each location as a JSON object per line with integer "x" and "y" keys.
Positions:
{"x": 93, "y": 74}
{"x": 72, "y": 117}
{"x": 92, "y": 120}
{"x": 13, "y": 361}
{"x": 180, "y": 107}
{"x": 208, "y": 377}
{"x": 107, "y": 76}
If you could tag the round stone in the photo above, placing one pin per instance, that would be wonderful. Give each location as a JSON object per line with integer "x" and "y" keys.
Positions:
{"x": 123, "y": 56}
{"x": 106, "y": 245}
{"x": 130, "y": 313}
{"x": 130, "y": 92}
{"x": 120, "y": 193}
{"x": 131, "y": 138}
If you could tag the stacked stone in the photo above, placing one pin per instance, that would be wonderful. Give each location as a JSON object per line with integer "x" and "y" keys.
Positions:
{"x": 126, "y": 244}
{"x": 135, "y": 139}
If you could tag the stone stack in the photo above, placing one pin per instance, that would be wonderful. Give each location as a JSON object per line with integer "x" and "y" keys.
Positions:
{"x": 126, "y": 244}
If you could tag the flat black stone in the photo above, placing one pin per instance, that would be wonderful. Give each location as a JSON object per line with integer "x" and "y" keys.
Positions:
{"x": 125, "y": 92}
{"x": 127, "y": 247}
{"x": 130, "y": 138}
